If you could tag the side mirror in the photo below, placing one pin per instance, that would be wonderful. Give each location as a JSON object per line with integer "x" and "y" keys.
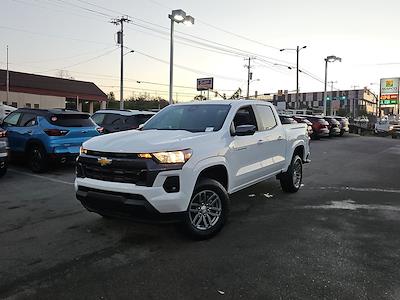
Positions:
{"x": 243, "y": 130}
{"x": 140, "y": 127}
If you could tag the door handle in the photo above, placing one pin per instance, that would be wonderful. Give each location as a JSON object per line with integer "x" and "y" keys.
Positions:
{"x": 280, "y": 138}
{"x": 260, "y": 142}
{"x": 29, "y": 132}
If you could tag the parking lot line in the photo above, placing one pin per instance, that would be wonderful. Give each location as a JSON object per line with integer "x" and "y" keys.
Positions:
{"x": 41, "y": 177}
{"x": 355, "y": 189}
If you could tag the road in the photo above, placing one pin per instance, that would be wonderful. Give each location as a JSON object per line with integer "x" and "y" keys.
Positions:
{"x": 337, "y": 238}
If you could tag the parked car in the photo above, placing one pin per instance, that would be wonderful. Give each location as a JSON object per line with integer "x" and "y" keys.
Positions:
{"x": 300, "y": 119}
{"x": 395, "y": 131}
{"x": 43, "y": 135}
{"x": 5, "y": 110}
{"x": 186, "y": 160}
{"x": 3, "y": 152}
{"x": 120, "y": 120}
{"x": 319, "y": 125}
{"x": 386, "y": 127}
{"x": 344, "y": 124}
{"x": 334, "y": 126}
{"x": 285, "y": 119}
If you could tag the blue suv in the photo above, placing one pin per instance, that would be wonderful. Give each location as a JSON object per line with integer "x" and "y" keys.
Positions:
{"x": 46, "y": 135}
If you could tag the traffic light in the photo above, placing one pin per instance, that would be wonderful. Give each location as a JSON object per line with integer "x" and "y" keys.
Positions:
{"x": 328, "y": 98}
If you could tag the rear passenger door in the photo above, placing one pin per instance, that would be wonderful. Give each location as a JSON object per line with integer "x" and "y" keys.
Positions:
{"x": 272, "y": 140}
{"x": 27, "y": 126}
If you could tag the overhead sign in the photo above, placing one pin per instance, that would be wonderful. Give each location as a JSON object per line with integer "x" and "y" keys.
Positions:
{"x": 389, "y": 89}
{"x": 205, "y": 84}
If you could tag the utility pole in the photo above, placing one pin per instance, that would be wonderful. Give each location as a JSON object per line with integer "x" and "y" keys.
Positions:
{"x": 249, "y": 77}
{"x": 7, "y": 79}
{"x": 331, "y": 106}
{"x": 120, "y": 35}
{"x": 354, "y": 101}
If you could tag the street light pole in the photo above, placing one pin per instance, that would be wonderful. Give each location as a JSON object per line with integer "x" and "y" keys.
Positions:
{"x": 177, "y": 16}
{"x": 325, "y": 84}
{"x": 248, "y": 79}
{"x": 328, "y": 59}
{"x": 297, "y": 103}
{"x": 171, "y": 63}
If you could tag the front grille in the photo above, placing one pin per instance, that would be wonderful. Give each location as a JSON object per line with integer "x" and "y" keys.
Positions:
{"x": 119, "y": 170}
{"x": 123, "y": 175}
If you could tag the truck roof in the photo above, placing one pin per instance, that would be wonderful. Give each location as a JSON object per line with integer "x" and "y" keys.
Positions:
{"x": 232, "y": 102}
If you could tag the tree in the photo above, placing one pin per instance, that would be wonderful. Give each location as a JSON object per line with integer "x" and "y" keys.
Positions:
{"x": 64, "y": 74}
{"x": 111, "y": 96}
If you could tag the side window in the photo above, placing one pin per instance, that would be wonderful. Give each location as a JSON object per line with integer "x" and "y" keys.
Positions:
{"x": 132, "y": 121}
{"x": 27, "y": 120}
{"x": 245, "y": 116}
{"x": 267, "y": 117}
{"x": 113, "y": 119}
{"x": 12, "y": 119}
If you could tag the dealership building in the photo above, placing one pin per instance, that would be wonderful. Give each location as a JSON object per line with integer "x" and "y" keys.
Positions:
{"x": 345, "y": 102}
{"x": 38, "y": 91}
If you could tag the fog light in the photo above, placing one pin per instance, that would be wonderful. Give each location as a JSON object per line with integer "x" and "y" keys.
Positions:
{"x": 171, "y": 184}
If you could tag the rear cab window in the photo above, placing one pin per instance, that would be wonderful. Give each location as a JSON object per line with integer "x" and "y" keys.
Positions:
{"x": 71, "y": 120}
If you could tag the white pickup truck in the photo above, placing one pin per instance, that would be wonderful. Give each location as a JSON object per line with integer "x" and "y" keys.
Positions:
{"x": 187, "y": 159}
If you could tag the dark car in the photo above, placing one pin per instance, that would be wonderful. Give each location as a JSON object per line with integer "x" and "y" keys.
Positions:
{"x": 319, "y": 125}
{"x": 44, "y": 135}
{"x": 300, "y": 119}
{"x": 120, "y": 120}
{"x": 285, "y": 119}
{"x": 395, "y": 131}
{"x": 334, "y": 126}
{"x": 344, "y": 124}
{"x": 3, "y": 152}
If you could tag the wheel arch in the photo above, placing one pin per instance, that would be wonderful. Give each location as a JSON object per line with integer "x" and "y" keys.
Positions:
{"x": 34, "y": 142}
{"x": 213, "y": 168}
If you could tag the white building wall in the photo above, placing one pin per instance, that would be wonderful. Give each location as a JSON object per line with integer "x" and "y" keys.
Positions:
{"x": 22, "y": 99}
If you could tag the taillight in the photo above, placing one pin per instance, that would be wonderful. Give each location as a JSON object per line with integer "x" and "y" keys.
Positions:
{"x": 100, "y": 129}
{"x": 3, "y": 134}
{"x": 56, "y": 132}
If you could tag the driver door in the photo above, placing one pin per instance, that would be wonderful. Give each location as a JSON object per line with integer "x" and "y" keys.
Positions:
{"x": 244, "y": 152}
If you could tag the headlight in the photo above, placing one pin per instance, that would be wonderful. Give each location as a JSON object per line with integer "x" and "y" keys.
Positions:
{"x": 82, "y": 150}
{"x": 390, "y": 127}
{"x": 171, "y": 157}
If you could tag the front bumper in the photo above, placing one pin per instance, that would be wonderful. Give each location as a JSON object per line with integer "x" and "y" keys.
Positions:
{"x": 123, "y": 205}
{"x": 323, "y": 132}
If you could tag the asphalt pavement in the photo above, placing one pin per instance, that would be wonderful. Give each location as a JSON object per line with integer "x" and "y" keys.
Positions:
{"x": 337, "y": 238}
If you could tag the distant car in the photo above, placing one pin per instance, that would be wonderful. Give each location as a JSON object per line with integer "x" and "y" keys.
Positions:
{"x": 385, "y": 127}
{"x": 48, "y": 135}
{"x": 301, "y": 119}
{"x": 395, "y": 131}
{"x": 3, "y": 152}
{"x": 334, "y": 126}
{"x": 344, "y": 124}
{"x": 121, "y": 120}
{"x": 285, "y": 119}
{"x": 319, "y": 125}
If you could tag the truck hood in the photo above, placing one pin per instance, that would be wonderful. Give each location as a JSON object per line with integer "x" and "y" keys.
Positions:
{"x": 135, "y": 141}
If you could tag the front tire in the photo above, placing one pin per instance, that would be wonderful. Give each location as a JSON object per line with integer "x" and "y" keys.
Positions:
{"x": 38, "y": 159}
{"x": 207, "y": 211}
{"x": 292, "y": 178}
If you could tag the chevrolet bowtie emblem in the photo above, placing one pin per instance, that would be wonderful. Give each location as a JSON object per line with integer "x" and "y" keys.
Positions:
{"x": 104, "y": 161}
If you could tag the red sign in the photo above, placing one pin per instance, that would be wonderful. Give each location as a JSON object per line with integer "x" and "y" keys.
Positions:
{"x": 389, "y": 97}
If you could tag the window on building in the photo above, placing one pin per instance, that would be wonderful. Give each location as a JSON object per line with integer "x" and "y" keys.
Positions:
{"x": 70, "y": 103}
{"x": 14, "y": 104}
{"x": 28, "y": 105}
{"x": 5, "y": 102}
{"x": 86, "y": 106}
{"x": 96, "y": 106}
{"x": 36, "y": 106}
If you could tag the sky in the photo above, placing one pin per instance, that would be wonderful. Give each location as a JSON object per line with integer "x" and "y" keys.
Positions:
{"x": 46, "y": 36}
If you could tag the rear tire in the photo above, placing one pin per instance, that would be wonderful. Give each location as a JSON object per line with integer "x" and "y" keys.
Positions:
{"x": 3, "y": 171}
{"x": 207, "y": 211}
{"x": 38, "y": 161}
{"x": 292, "y": 178}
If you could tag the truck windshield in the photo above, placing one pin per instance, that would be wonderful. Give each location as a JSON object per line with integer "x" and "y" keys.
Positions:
{"x": 193, "y": 118}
